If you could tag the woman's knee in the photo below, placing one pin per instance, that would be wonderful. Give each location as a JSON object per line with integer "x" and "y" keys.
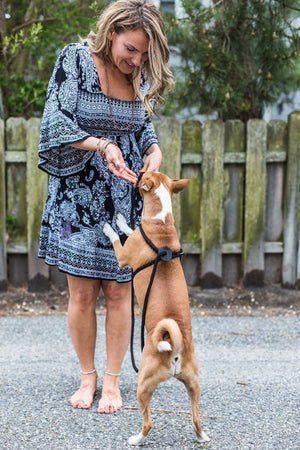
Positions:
{"x": 116, "y": 293}
{"x": 83, "y": 292}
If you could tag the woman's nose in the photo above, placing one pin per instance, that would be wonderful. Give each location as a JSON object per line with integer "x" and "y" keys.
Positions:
{"x": 137, "y": 59}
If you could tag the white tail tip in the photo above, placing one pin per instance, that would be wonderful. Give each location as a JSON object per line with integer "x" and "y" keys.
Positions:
{"x": 164, "y": 346}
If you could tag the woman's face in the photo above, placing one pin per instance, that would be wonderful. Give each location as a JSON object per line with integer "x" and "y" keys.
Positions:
{"x": 129, "y": 49}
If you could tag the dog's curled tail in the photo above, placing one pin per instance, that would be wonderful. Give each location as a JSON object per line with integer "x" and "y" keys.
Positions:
{"x": 167, "y": 336}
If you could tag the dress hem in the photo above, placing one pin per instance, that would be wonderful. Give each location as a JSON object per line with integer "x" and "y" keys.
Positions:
{"x": 84, "y": 276}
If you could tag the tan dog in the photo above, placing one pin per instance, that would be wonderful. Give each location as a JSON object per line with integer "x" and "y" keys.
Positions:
{"x": 169, "y": 349}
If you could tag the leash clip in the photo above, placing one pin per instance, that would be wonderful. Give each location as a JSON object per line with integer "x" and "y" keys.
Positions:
{"x": 164, "y": 253}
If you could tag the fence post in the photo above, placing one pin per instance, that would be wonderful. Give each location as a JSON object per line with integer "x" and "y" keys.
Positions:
{"x": 291, "y": 204}
{"x": 255, "y": 201}
{"x": 3, "y": 267}
{"x": 169, "y": 141}
{"x": 212, "y": 204}
{"x": 38, "y": 271}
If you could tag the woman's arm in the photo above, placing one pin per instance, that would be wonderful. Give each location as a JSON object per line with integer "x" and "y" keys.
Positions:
{"x": 112, "y": 154}
{"x": 153, "y": 159}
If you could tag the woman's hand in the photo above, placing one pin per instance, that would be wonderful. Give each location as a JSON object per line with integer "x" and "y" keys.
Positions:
{"x": 153, "y": 159}
{"x": 113, "y": 156}
{"x": 116, "y": 164}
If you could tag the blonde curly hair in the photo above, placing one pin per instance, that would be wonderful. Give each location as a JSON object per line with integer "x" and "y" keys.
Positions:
{"x": 131, "y": 15}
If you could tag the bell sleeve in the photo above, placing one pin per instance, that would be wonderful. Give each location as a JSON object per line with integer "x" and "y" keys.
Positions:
{"x": 146, "y": 136}
{"x": 59, "y": 126}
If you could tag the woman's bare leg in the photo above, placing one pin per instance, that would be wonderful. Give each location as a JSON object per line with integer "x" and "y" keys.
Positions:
{"x": 118, "y": 326}
{"x": 83, "y": 328}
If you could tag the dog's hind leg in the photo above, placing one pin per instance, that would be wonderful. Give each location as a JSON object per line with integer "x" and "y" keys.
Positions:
{"x": 144, "y": 398}
{"x": 190, "y": 379}
{"x": 147, "y": 383}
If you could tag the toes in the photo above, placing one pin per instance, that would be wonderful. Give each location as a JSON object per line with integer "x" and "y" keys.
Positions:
{"x": 109, "y": 404}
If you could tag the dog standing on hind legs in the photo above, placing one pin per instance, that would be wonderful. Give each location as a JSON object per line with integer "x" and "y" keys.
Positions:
{"x": 169, "y": 349}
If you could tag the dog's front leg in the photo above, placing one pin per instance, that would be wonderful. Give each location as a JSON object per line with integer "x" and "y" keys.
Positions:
{"x": 114, "y": 239}
{"x": 122, "y": 225}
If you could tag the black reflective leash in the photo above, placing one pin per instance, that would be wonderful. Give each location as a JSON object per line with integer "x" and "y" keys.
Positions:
{"x": 163, "y": 254}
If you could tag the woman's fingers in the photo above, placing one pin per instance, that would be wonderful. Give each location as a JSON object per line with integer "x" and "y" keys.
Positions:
{"x": 122, "y": 171}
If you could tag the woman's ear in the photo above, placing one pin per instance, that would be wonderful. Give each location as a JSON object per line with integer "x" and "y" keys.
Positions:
{"x": 110, "y": 33}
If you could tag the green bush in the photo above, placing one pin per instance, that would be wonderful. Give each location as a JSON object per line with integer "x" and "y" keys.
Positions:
{"x": 31, "y": 35}
{"x": 236, "y": 57}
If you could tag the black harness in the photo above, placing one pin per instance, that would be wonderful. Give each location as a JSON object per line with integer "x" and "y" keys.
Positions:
{"x": 162, "y": 254}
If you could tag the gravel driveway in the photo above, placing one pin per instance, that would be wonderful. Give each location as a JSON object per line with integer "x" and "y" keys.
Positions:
{"x": 249, "y": 375}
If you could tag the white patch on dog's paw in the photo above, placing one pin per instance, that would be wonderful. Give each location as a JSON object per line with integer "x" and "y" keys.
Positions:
{"x": 139, "y": 439}
{"x": 122, "y": 225}
{"x": 204, "y": 437}
{"x": 110, "y": 233}
{"x": 164, "y": 346}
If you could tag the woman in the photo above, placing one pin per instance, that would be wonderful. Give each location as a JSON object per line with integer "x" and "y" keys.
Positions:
{"x": 96, "y": 136}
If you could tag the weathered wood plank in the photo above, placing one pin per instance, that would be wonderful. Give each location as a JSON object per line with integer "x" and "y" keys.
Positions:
{"x": 191, "y": 158}
{"x": 233, "y": 197}
{"x": 212, "y": 204}
{"x": 190, "y": 198}
{"x": 16, "y": 183}
{"x": 235, "y": 157}
{"x": 291, "y": 203}
{"x": 255, "y": 201}
{"x": 276, "y": 139}
{"x": 16, "y": 134}
{"x": 233, "y": 182}
{"x": 38, "y": 271}
{"x": 16, "y": 156}
{"x": 3, "y": 265}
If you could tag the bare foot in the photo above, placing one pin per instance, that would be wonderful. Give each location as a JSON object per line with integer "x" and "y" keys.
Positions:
{"x": 111, "y": 400}
{"x": 83, "y": 398}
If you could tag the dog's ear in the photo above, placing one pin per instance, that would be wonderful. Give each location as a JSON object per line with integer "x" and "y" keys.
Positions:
{"x": 179, "y": 185}
{"x": 146, "y": 185}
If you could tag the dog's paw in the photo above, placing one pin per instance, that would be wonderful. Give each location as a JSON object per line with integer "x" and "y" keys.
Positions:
{"x": 110, "y": 233}
{"x": 122, "y": 225}
{"x": 139, "y": 439}
{"x": 203, "y": 438}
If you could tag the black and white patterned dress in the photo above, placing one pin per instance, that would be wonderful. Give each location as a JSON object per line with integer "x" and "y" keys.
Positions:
{"x": 83, "y": 194}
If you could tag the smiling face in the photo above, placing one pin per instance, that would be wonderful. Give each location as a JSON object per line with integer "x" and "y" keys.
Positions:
{"x": 129, "y": 49}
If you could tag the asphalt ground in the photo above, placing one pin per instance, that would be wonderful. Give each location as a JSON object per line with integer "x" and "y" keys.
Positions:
{"x": 249, "y": 372}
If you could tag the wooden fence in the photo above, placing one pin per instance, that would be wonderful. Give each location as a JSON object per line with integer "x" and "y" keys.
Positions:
{"x": 238, "y": 220}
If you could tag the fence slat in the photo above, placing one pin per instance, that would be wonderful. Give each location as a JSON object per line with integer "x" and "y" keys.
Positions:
{"x": 38, "y": 271}
{"x": 233, "y": 197}
{"x": 291, "y": 202}
{"x": 255, "y": 201}
{"x": 190, "y": 198}
{"x": 212, "y": 204}
{"x": 276, "y": 140}
{"x": 16, "y": 197}
{"x": 3, "y": 266}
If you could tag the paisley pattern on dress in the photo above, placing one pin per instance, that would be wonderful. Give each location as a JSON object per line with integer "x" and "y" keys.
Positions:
{"x": 83, "y": 194}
